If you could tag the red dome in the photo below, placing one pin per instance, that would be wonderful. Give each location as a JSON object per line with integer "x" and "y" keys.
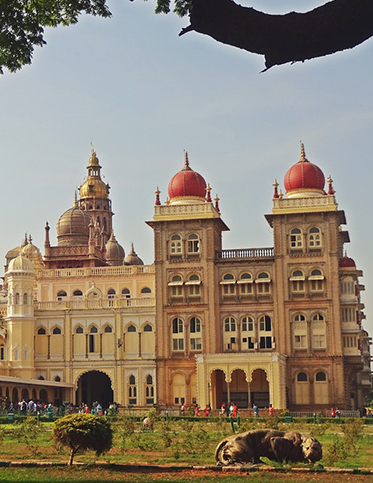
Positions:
{"x": 187, "y": 184}
{"x": 304, "y": 176}
{"x": 347, "y": 262}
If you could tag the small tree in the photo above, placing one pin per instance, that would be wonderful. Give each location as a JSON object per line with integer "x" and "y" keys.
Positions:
{"x": 83, "y": 431}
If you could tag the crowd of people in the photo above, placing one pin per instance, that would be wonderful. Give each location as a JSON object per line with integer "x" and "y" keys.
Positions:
{"x": 41, "y": 408}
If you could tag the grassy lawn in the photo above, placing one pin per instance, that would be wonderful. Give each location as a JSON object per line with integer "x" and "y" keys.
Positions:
{"x": 182, "y": 442}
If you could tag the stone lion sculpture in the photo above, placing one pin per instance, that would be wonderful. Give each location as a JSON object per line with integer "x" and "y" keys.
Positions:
{"x": 276, "y": 445}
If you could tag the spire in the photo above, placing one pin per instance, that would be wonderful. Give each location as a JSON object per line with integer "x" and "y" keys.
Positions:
{"x": 186, "y": 163}
{"x": 24, "y": 243}
{"x": 46, "y": 241}
{"x": 302, "y": 153}
{"x": 75, "y": 205}
{"x": 331, "y": 189}
{"x": 30, "y": 239}
{"x": 157, "y": 199}
{"x": 208, "y": 194}
{"x": 216, "y": 199}
{"x": 275, "y": 185}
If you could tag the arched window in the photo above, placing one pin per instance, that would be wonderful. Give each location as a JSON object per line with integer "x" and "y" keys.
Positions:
{"x": 194, "y": 284}
{"x": 321, "y": 388}
{"x": 230, "y": 324}
{"x": 177, "y": 334}
{"x": 176, "y": 285}
{"x": 148, "y": 328}
{"x": 79, "y": 330}
{"x": 245, "y": 283}
{"x": 302, "y": 389}
{"x": 2, "y": 352}
{"x": 132, "y": 390}
{"x": 263, "y": 283}
{"x": 318, "y": 331}
{"x": 297, "y": 281}
{"x": 56, "y": 331}
{"x": 176, "y": 245}
{"x": 25, "y": 298}
{"x": 126, "y": 293}
{"x": 265, "y": 332}
{"x": 195, "y": 334}
{"x": 93, "y": 344}
{"x": 317, "y": 281}
{"x": 230, "y": 334}
{"x": 131, "y": 328}
{"x": 57, "y": 379}
{"x": 149, "y": 390}
{"x": 111, "y": 295}
{"x": 247, "y": 333}
{"x": 77, "y": 293}
{"x": 17, "y": 298}
{"x": 314, "y": 238}
{"x": 41, "y": 331}
{"x": 61, "y": 293}
{"x": 296, "y": 239}
{"x": 300, "y": 332}
{"x": 146, "y": 290}
{"x": 193, "y": 243}
{"x": 108, "y": 329}
{"x": 228, "y": 284}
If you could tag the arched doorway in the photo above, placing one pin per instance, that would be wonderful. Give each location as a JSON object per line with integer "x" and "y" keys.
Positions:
{"x": 238, "y": 389}
{"x": 259, "y": 388}
{"x": 218, "y": 389}
{"x": 94, "y": 386}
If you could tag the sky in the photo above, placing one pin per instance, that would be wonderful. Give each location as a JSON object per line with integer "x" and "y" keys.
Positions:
{"x": 143, "y": 96}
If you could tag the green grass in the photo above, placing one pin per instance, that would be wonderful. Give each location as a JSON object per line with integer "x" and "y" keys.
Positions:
{"x": 347, "y": 445}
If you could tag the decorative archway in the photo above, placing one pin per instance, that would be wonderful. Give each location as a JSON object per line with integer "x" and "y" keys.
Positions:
{"x": 94, "y": 386}
{"x": 259, "y": 388}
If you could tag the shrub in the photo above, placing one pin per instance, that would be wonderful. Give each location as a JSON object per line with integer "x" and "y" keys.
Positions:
{"x": 83, "y": 431}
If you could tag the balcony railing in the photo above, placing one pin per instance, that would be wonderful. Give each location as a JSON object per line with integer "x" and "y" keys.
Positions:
{"x": 249, "y": 253}
{"x": 96, "y": 271}
{"x": 96, "y": 304}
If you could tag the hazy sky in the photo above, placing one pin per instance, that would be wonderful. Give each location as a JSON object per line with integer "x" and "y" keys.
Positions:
{"x": 142, "y": 95}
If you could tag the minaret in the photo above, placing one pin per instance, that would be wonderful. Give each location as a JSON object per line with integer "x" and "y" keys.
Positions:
{"x": 20, "y": 320}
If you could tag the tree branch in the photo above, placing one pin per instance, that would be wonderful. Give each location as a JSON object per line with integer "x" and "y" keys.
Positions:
{"x": 335, "y": 26}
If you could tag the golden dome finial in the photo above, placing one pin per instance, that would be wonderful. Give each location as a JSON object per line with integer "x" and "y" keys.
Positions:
{"x": 302, "y": 152}
{"x": 75, "y": 205}
{"x": 186, "y": 163}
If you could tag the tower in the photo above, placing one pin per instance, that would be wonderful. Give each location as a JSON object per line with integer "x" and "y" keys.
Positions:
{"x": 20, "y": 319}
{"x": 187, "y": 234}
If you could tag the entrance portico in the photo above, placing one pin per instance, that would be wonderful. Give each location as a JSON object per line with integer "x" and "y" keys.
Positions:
{"x": 241, "y": 378}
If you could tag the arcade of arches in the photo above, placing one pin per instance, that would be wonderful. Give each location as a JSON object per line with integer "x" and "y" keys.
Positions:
{"x": 244, "y": 383}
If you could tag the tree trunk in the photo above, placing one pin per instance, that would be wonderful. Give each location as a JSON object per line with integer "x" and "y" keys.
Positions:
{"x": 335, "y": 26}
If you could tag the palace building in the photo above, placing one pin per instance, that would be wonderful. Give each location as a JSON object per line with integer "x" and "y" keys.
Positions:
{"x": 279, "y": 325}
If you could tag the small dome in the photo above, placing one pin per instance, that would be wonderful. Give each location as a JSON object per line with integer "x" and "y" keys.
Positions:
{"x": 347, "y": 262}
{"x": 94, "y": 187}
{"x": 32, "y": 253}
{"x": 114, "y": 251}
{"x": 187, "y": 186}
{"x": 304, "y": 179}
{"x": 20, "y": 264}
{"x": 73, "y": 227}
{"x": 132, "y": 258}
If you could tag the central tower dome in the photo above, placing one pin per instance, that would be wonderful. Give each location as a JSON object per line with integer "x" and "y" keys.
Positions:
{"x": 304, "y": 179}
{"x": 187, "y": 186}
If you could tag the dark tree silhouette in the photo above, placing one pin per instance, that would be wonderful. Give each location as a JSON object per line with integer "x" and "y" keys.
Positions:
{"x": 335, "y": 26}
{"x": 293, "y": 37}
